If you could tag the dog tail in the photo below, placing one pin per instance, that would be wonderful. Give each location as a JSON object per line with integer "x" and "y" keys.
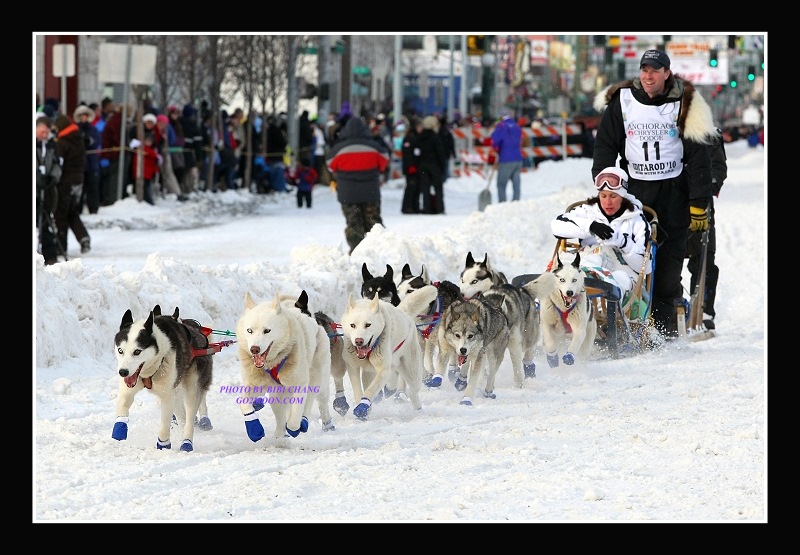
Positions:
{"x": 417, "y": 302}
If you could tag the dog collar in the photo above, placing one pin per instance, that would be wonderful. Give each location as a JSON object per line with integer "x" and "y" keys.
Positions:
{"x": 273, "y": 372}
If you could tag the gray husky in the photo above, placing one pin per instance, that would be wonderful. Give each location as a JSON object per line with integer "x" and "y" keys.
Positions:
{"x": 477, "y": 333}
{"x": 157, "y": 354}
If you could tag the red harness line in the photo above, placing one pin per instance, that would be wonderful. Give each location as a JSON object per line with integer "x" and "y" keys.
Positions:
{"x": 212, "y": 348}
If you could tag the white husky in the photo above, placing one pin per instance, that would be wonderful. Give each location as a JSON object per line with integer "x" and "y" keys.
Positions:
{"x": 565, "y": 312}
{"x": 286, "y": 363}
{"x": 382, "y": 346}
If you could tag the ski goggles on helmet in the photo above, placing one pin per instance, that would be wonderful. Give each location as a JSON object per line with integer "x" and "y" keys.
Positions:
{"x": 610, "y": 181}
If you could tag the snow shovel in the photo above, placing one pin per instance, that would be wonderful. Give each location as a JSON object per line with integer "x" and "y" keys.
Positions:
{"x": 485, "y": 196}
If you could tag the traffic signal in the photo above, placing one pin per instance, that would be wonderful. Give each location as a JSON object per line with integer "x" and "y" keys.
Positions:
{"x": 713, "y": 57}
{"x": 734, "y": 83}
{"x": 751, "y": 73}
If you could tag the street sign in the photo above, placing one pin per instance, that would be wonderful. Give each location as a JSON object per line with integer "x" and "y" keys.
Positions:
{"x": 63, "y": 60}
{"x": 112, "y": 65}
{"x": 361, "y": 70}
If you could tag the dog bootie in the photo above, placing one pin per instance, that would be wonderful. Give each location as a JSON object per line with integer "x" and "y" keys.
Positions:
{"x": 120, "y": 430}
{"x": 489, "y": 394}
{"x": 302, "y": 429}
{"x": 530, "y": 369}
{"x": 552, "y": 359}
{"x": 379, "y": 396}
{"x": 165, "y": 444}
{"x": 255, "y": 430}
{"x": 388, "y": 392}
{"x": 362, "y": 409}
{"x": 340, "y": 404}
{"x": 205, "y": 424}
{"x": 328, "y": 426}
{"x": 568, "y": 358}
{"x": 258, "y": 404}
{"x": 187, "y": 445}
{"x": 452, "y": 370}
{"x": 460, "y": 384}
{"x": 434, "y": 381}
{"x": 466, "y": 401}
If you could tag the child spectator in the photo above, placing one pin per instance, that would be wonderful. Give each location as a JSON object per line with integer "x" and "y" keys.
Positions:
{"x": 152, "y": 160}
{"x": 304, "y": 178}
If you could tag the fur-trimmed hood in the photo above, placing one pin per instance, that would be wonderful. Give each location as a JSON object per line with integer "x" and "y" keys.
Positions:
{"x": 696, "y": 122}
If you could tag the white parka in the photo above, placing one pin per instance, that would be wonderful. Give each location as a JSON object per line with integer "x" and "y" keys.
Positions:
{"x": 631, "y": 231}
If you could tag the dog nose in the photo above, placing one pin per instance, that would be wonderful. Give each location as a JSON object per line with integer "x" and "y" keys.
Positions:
{"x": 123, "y": 372}
{"x": 463, "y": 350}
{"x": 570, "y": 293}
{"x": 255, "y": 349}
{"x": 359, "y": 342}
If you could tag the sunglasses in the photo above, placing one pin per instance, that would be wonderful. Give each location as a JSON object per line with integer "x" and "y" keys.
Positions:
{"x": 611, "y": 181}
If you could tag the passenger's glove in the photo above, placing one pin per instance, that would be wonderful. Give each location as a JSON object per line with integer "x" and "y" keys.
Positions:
{"x": 602, "y": 230}
{"x": 699, "y": 218}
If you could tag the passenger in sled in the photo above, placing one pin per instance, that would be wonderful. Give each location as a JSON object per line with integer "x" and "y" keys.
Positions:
{"x": 612, "y": 230}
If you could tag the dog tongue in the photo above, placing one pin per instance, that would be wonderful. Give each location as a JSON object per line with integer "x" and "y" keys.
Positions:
{"x": 131, "y": 380}
{"x": 363, "y": 352}
{"x": 260, "y": 359}
{"x": 462, "y": 359}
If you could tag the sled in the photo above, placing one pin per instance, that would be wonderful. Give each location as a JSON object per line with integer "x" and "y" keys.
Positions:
{"x": 623, "y": 325}
{"x": 690, "y": 319}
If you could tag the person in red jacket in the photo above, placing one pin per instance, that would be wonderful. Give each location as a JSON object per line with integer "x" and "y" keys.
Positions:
{"x": 303, "y": 178}
{"x": 151, "y": 162}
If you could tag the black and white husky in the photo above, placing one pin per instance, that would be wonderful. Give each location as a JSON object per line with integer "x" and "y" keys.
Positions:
{"x": 156, "y": 354}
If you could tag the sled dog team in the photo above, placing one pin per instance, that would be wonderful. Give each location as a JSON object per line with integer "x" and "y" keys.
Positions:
{"x": 392, "y": 340}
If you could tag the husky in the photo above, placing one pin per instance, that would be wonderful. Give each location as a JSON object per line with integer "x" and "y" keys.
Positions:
{"x": 285, "y": 362}
{"x": 448, "y": 292}
{"x": 478, "y": 278}
{"x": 565, "y": 311}
{"x": 199, "y": 340}
{"x": 383, "y": 285}
{"x": 156, "y": 354}
{"x": 477, "y": 333}
{"x": 382, "y": 347}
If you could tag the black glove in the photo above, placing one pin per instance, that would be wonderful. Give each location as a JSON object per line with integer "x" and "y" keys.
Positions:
{"x": 602, "y": 230}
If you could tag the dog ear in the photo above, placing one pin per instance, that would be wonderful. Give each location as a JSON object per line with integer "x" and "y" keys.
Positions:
{"x": 276, "y": 303}
{"x": 157, "y": 310}
{"x": 248, "y": 301}
{"x": 470, "y": 260}
{"x": 577, "y": 262}
{"x": 485, "y": 262}
{"x": 406, "y": 273}
{"x": 389, "y": 273}
{"x": 148, "y": 325}
{"x": 375, "y": 301}
{"x": 424, "y": 274}
{"x": 350, "y": 303}
{"x": 558, "y": 259}
{"x": 365, "y": 275}
{"x": 176, "y": 314}
{"x": 127, "y": 319}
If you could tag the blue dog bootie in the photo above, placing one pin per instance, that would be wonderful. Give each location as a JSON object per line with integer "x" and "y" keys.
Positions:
{"x": 255, "y": 430}
{"x": 362, "y": 409}
{"x": 552, "y": 359}
{"x": 568, "y": 358}
{"x": 120, "y": 430}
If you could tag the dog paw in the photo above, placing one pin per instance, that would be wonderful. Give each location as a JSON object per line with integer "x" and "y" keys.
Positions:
{"x": 258, "y": 405}
{"x": 435, "y": 381}
{"x": 328, "y": 426}
{"x": 466, "y": 401}
{"x": 400, "y": 397}
{"x": 379, "y": 396}
{"x": 530, "y": 370}
{"x": 255, "y": 431}
{"x": 362, "y": 409}
{"x": 568, "y": 358}
{"x": 166, "y": 444}
{"x": 552, "y": 359}
{"x": 120, "y": 430}
{"x": 205, "y": 424}
{"x": 489, "y": 394}
{"x": 388, "y": 392}
{"x": 187, "y": 445}
{"x": 302, "y": 429}
{"x": 452, "y": 371}
{"x": 340, "y": 405}
{"x": 460, "y": 384}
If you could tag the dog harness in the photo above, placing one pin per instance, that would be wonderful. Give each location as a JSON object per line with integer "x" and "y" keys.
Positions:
{"x": 435, "y": 317}
{"x": 376, "y": 344}
{"x": 273, "y": 372}
{"x": 565, "y": 314}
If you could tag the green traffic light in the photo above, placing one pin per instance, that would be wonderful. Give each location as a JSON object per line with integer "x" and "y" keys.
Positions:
{"x": 712, "y": 63}
{"x": 733, "y": 84}
{"x": 751, "y": 77}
